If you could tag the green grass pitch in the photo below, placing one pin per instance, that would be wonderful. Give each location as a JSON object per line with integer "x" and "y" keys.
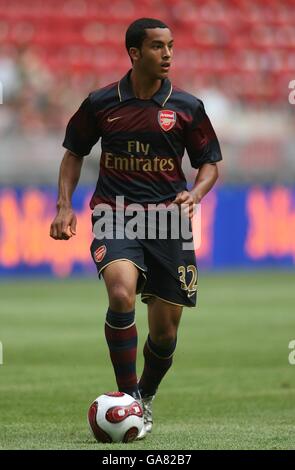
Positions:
{"x": 231, "y": 386}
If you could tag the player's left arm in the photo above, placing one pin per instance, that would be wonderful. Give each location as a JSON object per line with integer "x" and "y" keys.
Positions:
{"x": 205, "y": 180}
{"x": 204, "y": 152}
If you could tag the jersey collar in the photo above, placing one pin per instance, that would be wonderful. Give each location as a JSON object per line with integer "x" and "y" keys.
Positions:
{"x": 125, "y": 91}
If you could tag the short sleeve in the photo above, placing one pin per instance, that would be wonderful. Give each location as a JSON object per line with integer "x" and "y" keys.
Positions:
{"x": 200, "y": 141}
{"x": 82, "y": 131}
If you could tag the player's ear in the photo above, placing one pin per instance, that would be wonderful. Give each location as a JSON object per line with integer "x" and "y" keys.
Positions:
{"x": 134, "y": 54}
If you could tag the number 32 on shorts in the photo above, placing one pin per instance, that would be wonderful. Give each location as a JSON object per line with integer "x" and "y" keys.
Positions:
{"x": 191, "y": 273}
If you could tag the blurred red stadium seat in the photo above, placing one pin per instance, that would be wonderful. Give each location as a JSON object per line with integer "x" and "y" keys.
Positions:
{"x": 216, "y": 39}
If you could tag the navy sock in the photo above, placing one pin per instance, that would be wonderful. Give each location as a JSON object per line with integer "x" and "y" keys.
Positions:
{"x": 157, "y": 361}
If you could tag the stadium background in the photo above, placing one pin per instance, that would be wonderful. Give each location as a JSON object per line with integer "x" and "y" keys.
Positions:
{"x": 238, "y": 56}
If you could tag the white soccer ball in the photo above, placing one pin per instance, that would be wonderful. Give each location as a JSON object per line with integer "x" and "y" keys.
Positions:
{"x": 115, "y": 417}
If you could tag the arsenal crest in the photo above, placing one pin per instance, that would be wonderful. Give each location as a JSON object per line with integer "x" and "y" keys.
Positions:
{"x": 99, "y": 254}
{"x": 167, "y": 119}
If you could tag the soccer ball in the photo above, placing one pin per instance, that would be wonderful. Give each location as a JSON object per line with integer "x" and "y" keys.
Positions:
{"x": 115, "y": 417}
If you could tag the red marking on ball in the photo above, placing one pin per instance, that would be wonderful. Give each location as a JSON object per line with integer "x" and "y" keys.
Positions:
{"x": 99, "y": 434}
{"x": 116, "y": 414}
{"x": 131, "y": 434}
{"x": 115, "y": 394}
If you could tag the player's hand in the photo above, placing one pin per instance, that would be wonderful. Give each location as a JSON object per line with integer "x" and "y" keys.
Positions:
{"x": 64, "y": 225}
{"x": 186, "y": 202}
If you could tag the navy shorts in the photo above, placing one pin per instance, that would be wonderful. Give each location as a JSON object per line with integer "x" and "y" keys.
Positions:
{"x": 167, "y": 270}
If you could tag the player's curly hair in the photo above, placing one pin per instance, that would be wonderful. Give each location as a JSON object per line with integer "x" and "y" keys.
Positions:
{"x": 136, "y": 32}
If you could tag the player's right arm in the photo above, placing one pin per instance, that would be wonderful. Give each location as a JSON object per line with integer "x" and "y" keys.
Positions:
{"x": 81, "y": 134}
{"x": 64, "y": 224}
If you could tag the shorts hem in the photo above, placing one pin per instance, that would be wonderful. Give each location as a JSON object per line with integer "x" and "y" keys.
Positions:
{"x": 143, "y": 272}
{"x": 147, "y": 295}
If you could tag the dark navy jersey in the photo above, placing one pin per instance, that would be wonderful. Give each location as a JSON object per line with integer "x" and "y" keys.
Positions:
{"x": 142, "y": 141}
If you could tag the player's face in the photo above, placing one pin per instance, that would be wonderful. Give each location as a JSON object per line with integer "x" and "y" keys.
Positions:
{"x": 156, "y": 53}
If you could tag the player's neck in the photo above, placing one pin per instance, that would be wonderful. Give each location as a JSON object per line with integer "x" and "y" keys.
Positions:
{"x": 144, "y": 87}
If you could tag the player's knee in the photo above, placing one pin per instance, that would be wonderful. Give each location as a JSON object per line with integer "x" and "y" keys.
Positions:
{"x": 165, "y": 339}
{"x": 121, "y": 300}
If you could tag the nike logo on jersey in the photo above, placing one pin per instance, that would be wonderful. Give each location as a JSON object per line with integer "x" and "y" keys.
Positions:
{"x": 113, "y": 119}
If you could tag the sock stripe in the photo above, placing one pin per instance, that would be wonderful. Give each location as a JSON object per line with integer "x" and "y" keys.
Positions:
{"x": 127, "y": 382}
{"x": 120, "y": 334}
{"x": 121, "y": 356}
{"x": 157, "y": 356}
{"x": 119, "y": 327}
{"x": 120, "y": 320}
{"x": 159, "y": 351}
{"x": 126, "y": 369}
